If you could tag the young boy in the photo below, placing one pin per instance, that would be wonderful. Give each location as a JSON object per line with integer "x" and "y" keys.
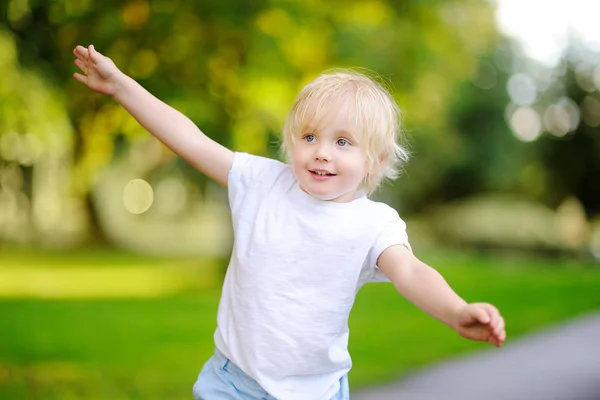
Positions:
{"x": 306, "y": 237}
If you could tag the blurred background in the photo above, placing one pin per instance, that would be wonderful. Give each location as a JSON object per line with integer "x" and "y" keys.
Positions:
{"x": 112, "y": 250}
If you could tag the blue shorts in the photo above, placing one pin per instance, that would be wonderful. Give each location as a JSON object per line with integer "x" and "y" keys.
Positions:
{"x": 220, "y": 379}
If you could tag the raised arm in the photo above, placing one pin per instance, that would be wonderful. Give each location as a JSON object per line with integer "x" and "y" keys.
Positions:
{"x": 428, "y": 290}
{"x": 168, "y": 125}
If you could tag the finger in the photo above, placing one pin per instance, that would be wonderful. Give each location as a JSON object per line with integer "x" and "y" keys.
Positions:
{"x": 82, "y": 57}
{"x": 499, "y": 337}
{"x": 80, "y": 78}
{"x": 80, "y": 51}
{"x": 81, "y": 65}
{"x": 94, "y": 55}
{"x": 494, "y": 322}
{"x": 499, "y": 326}
{"x": 492, "y": 312}
{"x": 480, "y": 314}
{"x": 495, "y": 339}
{"x": 501, "y": 334}
{"x": 82, "y": 54}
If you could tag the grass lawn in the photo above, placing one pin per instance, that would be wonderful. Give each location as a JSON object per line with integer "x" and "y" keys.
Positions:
{"x": 144, "y": 346}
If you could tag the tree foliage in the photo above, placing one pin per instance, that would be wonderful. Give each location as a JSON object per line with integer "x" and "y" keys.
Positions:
{"x": 234, "y": 67}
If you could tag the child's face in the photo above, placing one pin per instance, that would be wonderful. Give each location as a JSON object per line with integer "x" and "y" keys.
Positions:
{"x": 329, "y": 162}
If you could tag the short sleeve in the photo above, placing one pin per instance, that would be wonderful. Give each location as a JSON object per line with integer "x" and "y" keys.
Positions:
{"x": 251, "y": 175}
{"x": 394, "y": 233}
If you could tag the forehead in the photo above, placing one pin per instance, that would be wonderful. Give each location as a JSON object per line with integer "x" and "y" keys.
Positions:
{"x": 337, "y": 112}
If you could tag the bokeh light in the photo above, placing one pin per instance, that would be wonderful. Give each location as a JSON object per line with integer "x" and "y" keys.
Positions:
{"x": 526, "y": 124}
{"x": 136, "y": 13}
{"x": 522, "y": 89}
{"x": 138, "y": 196}
{"x": 143, "y": 64}
{"x": 18, "y": 10}
{"x": 562, "y": 117}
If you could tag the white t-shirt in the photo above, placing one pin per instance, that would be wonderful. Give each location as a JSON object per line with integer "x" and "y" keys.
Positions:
{"x": 296, "y": 267}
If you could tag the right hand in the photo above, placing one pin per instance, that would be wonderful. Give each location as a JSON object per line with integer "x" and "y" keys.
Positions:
{"x": 99, "y": 72}
{"x": 480, "y": 321}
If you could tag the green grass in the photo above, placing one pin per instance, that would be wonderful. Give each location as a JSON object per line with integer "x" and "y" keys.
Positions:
{"x": 153, "y": 348}
{"x": 389, "y": 336}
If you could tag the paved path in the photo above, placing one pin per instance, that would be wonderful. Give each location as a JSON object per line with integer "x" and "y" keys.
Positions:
{"x": 560, "y": 363}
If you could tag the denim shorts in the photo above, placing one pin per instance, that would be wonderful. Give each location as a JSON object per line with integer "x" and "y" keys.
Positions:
{"x": 220, "y": 379}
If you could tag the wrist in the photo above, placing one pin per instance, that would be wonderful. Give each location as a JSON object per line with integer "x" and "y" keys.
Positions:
{"x": 454, "y": 313}
{"x": 119, "y": 84}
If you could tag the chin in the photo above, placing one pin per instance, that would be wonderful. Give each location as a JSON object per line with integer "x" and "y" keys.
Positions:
{"x": 327, "y": 196}
{"x": 318, "y": 194}
{"x": 321, "y": 196}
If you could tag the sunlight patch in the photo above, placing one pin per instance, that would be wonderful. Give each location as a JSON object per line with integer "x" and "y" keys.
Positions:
{"x": 93, "y": 282}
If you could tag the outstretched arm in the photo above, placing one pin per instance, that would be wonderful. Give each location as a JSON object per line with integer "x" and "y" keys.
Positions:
{"x": 428, "y": 290}
{"x": 168, "y": 125}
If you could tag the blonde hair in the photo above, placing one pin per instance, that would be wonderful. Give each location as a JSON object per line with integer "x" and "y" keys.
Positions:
{"x": 376, "y": 116}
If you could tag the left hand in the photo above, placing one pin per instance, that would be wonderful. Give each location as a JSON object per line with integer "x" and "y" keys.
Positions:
{"x": 480, "y": 321}
{"x": 99, "y": 72}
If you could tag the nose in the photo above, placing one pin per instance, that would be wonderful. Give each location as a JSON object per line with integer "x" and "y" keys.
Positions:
{"x": 322, "y": 153}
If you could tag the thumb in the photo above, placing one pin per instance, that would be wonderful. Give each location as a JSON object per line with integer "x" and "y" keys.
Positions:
{"x": 94, "y": 55}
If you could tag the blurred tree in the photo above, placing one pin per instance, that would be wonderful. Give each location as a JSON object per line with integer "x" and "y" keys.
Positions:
{"x": 570, "y": 152}
{"x": 488, "y": 156}
{"x": 235, "y": 66}
{"x": 36, "y": 140}
{"x": 561, "y": 121}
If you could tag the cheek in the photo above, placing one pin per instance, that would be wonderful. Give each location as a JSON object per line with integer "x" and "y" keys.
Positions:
{"x": 367, "y": 165}
{"x": 293, "y": 153}
{"x": 297, "y": 157}
{"x": 361, "y": 162}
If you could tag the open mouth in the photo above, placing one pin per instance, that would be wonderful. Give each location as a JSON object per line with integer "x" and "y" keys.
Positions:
{"x": 319, "y": 172}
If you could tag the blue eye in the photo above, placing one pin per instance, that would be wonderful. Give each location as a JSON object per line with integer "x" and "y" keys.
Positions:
{"x": 310, "y": 138}
{"x": 342, "y": 142}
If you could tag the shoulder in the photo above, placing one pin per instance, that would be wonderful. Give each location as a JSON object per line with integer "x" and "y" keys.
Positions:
{"x": 252, "y": 175}
{"x": 379, "y": 211}
{"x": 245, "y": 164}
{"x": 390, "y": 228}
{"x": 250, "y": 169}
